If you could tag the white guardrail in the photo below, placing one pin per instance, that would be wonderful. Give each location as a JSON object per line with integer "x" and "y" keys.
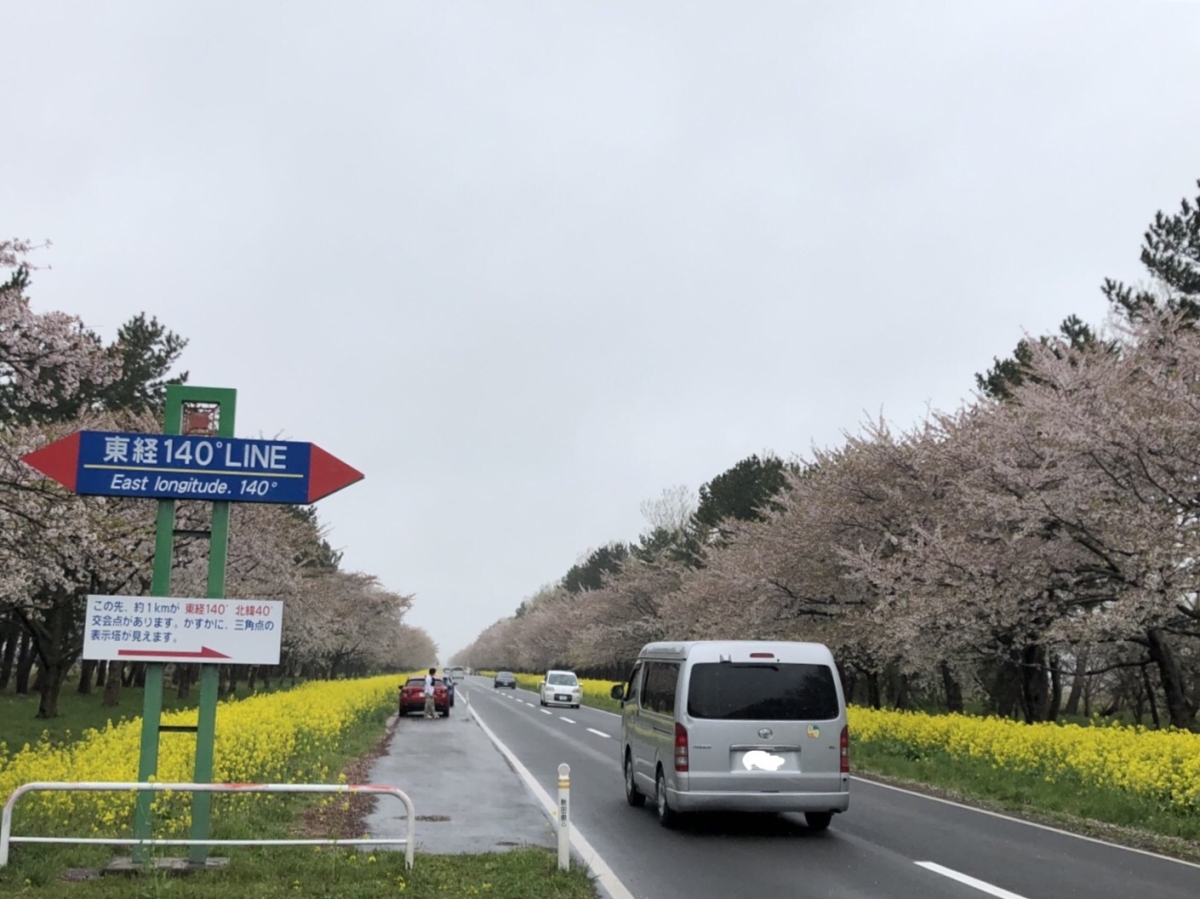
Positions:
{"x": 6, "y": 836}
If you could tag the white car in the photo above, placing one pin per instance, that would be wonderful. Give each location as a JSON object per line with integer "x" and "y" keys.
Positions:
{"x": 561, "y": 688}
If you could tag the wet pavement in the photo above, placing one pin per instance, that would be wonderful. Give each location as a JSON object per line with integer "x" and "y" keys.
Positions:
{"x": 466, "y": 796}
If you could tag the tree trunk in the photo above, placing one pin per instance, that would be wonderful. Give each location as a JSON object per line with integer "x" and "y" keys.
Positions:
{"x": 9, "y": 658}
{"x": 874, "y": 699}
{"x": 52, "y": 678}
{"x": 139, "y": 675}
{"x": 1056, "y": 688}
{"x": 1179, "y": 708}
{"x": 902, "y": 692}
{"x": 266, "y": 677}
{"x": 24, "y": 663}
{"x": 848, "y": 676}
{"x": 112, "y": 685}
{"x": 954, "y": 697}
{"x": 1077, "y": 683}
{"x": 251, "y": 677}
{"x": 128, "y": 675}
{"x": 1149, "y": 688}
{"x": 87, "y": 669}
{"x": 1007, "y": 689}
{"x": 101, "y": 672}
{"x": 1035, "y": 693}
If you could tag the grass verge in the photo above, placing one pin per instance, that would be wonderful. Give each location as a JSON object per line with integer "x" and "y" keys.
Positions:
{"x": 61, "y": 872}
{"x": 1105, "y": 814}
{"x": 330, "y": 874}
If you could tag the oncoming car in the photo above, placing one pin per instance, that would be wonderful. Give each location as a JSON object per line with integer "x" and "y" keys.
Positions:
{"x": 561, "y": 688}
{"x": 412, "y": 696}
{"x": 504, "y": 679}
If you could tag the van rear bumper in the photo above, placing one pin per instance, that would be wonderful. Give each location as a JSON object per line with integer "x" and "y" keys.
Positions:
{"x": 696, "y": 801}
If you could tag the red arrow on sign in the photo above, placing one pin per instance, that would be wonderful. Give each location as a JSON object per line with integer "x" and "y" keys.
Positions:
{"x": 204, "y": 653}
{"x": 327, "y": 473}
{"x": 58, "y": 460}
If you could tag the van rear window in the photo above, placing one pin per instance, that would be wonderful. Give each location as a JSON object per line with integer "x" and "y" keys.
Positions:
{"x": 762, "y": 692}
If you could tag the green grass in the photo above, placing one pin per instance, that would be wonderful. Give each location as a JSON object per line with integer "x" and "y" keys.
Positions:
{"x": 40, "y": 872}
{"x": 519, "y": 874}
{"x": 1024, "y": 793}
{"x": 19, "y": 724}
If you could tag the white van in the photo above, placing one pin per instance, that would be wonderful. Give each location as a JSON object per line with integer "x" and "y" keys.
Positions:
{"x": 742, "y": 726}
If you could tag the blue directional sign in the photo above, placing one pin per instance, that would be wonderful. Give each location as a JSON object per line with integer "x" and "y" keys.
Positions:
{"x": 216, "y": 469}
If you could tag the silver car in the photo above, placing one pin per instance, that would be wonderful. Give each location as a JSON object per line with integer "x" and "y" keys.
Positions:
{"x": 736, "y": 726}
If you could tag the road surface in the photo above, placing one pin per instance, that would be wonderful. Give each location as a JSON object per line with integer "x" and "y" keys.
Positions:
{"x": 890, "y": 844}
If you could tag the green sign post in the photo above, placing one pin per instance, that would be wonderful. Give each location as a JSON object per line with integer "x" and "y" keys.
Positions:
{"x": 197, "y": 459}
{"x": 219, "y": 404}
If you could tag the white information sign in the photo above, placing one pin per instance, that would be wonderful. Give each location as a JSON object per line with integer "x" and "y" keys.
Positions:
{"x": 171, "y": 629}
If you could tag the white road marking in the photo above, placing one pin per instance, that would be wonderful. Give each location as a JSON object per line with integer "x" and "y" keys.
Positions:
{"x": 599, "y": 733}
{"x": 981, "y": 885}
{"x": 544, "y": 711}
{"x": 1003, "y": 817}
{"x": 604, "y": 874}
{"x": 568, "y": 720}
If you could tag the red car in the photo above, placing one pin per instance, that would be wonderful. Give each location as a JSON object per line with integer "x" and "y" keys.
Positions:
{"x": 412, "y": 696}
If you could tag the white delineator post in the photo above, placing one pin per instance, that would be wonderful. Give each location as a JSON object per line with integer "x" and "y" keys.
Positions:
{"x": 564, "y": 817}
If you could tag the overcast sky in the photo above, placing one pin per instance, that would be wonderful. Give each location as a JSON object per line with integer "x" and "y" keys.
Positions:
{"x": 528, "y": 264}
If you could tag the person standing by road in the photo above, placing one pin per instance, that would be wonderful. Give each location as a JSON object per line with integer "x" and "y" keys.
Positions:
{"x": 429, "y": 707}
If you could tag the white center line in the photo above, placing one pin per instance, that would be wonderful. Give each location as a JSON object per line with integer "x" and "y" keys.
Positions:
{"x": 980, "y": 885}
{"x": 544, "y": 711}
{"x": 568, "y": 720}
{"x": 599, "y": 733}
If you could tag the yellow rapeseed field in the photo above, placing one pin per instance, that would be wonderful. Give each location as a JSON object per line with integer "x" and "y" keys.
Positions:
{"x": 1162, "y": 765}
{"x": 271, "y": 738}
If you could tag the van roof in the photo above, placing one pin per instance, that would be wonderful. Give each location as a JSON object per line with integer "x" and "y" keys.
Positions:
{"x": 737, "y": 650}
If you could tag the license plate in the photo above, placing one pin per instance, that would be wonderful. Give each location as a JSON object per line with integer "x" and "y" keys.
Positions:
{"x": 765, "y": 760}
{"x": 561, "y": 698}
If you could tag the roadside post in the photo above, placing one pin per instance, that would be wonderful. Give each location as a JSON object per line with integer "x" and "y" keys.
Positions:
{"x": 195, "y": 458}
{"x": 564, "y": 817}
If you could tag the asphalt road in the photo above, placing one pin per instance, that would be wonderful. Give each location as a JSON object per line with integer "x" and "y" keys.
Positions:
{"x": 889, "y": 844}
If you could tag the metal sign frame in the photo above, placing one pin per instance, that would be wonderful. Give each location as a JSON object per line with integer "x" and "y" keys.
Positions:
{"x": 225, "y": 401}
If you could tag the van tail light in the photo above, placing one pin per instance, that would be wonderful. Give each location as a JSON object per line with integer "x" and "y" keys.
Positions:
{"x": 681, "y": 748}
{"x": 845, "y": 749}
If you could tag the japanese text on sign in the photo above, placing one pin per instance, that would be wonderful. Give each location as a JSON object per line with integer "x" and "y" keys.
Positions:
{"x": 149, "y": 629}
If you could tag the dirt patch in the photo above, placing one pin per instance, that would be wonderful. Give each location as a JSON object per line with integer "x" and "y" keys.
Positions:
{"x": 344, "y": 816}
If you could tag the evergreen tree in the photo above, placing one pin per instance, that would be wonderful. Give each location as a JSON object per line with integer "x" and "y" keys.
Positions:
{"x": 589, "y": 574}
{"x": 743, "y": 492}
{"x": 1171, "y": 253}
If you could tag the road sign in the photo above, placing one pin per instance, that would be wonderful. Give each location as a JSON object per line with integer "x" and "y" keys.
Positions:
{"x": 154, "y": 629}
{"x": 217, "y": 469}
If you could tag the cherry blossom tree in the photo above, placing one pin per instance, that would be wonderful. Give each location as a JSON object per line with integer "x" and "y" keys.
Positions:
{"x": 42, "y": 355}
